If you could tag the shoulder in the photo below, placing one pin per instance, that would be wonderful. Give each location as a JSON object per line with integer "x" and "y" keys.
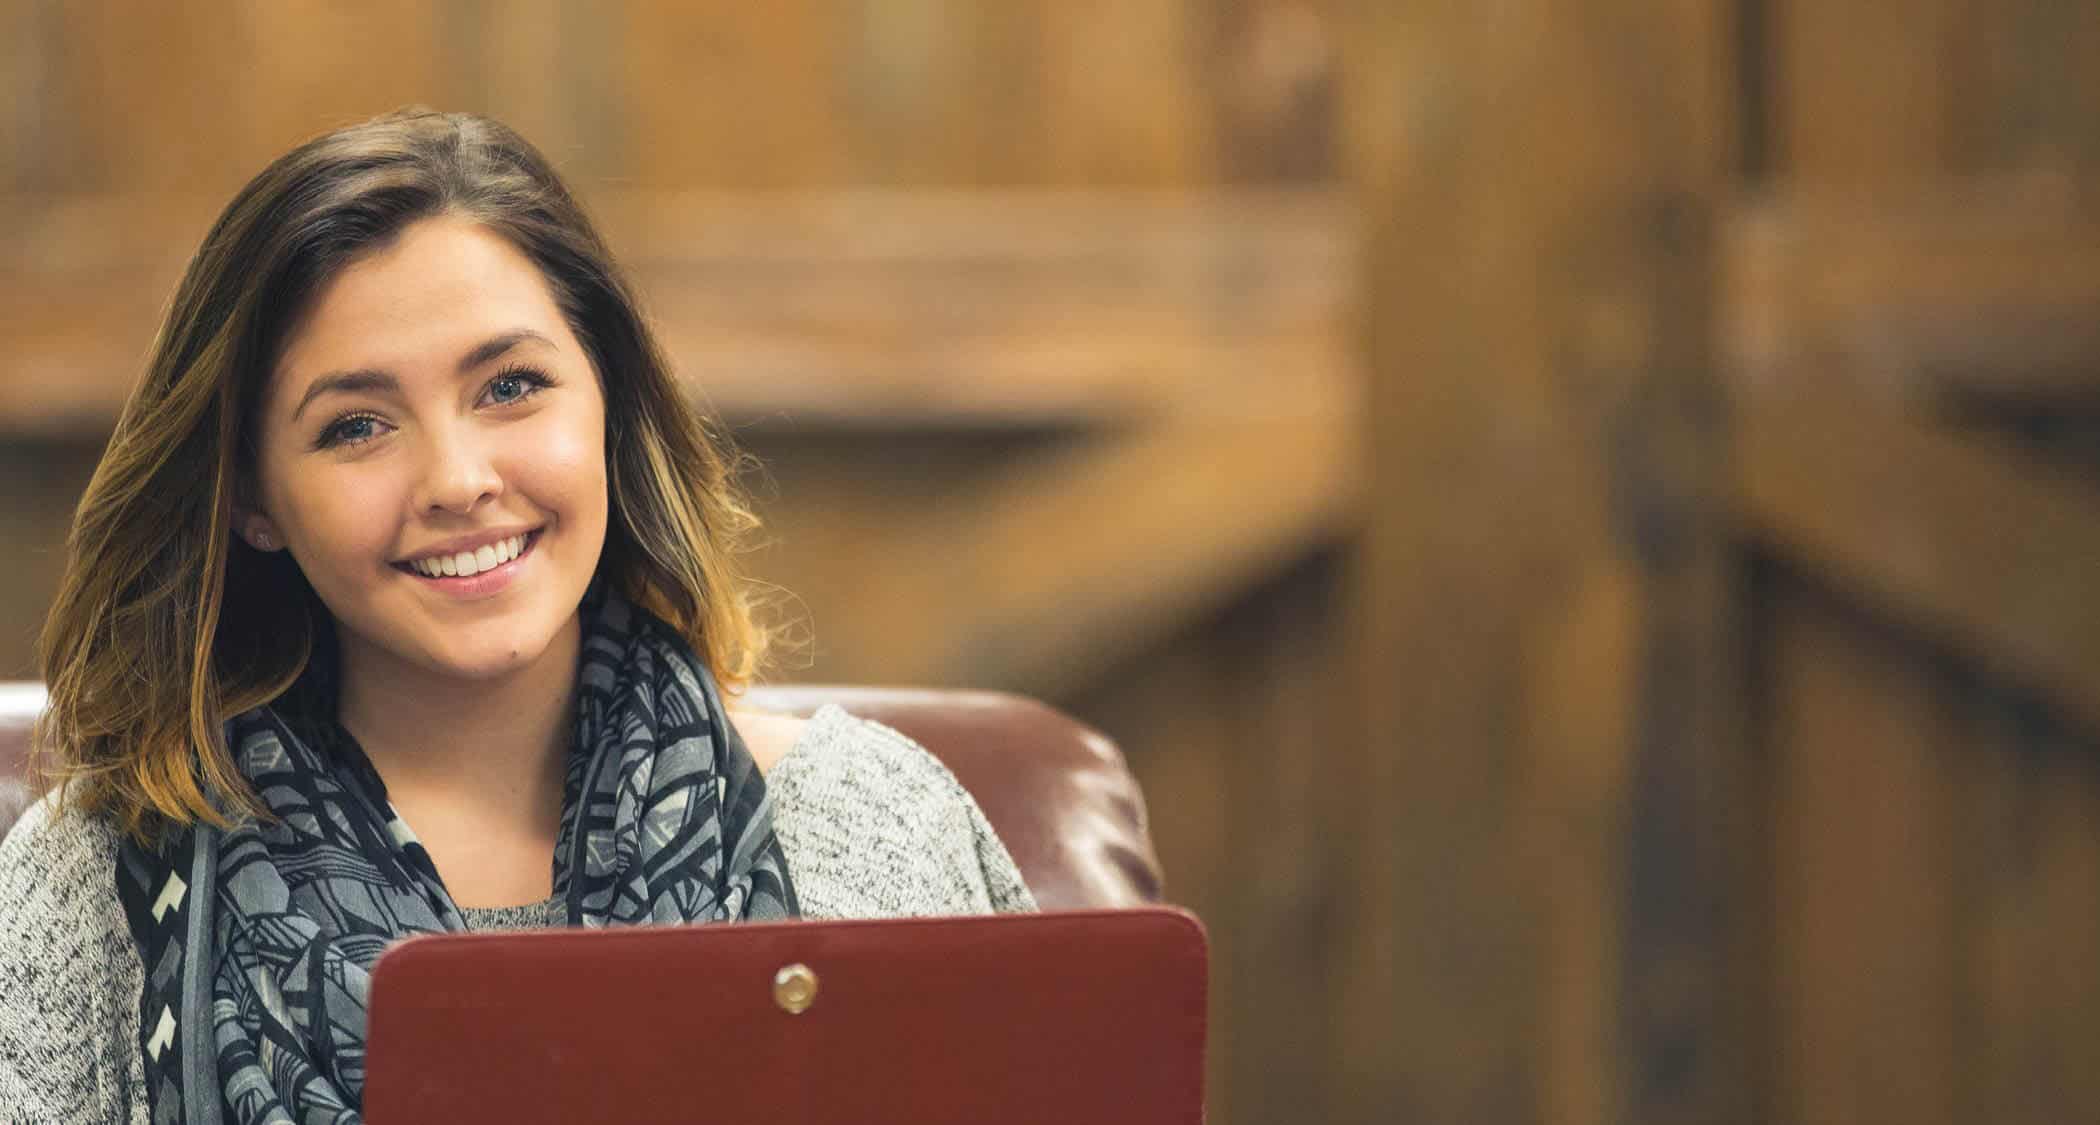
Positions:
{"x": 60, "y": 865}
{"x": 849, "y": 774}
{"x": 769, "y": 737}
{"x": 69, "y": 973}
{"x": 875, "y": 826}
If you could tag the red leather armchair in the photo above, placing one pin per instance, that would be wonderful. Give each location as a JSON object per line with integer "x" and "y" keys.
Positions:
{"x": 1057, "y": 792}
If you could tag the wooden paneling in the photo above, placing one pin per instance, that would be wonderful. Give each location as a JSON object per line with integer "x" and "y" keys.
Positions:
{"x": 1886, "y": 92}
{"x": 1232, "y": 727}
{"x": 1540, "y": 937}
{"x": 1863, "y": 953}
{"x": 547, "y": 68}
{"x": 195, "y": 95}
{"x": 1292, "y": 886}
{"x": 732, "y": 95}
{"x": 1272, "y": 67}
{"x": 34, "y": 152}
{"x": 1999, "y": 985}
{"x": 1122, "y": 99}
{"x": 1860, "y": 89}
{"x": 2024, "y": 91}
{"x": 1930, "y": 693}
{"x": 2028, "y": 878}
{"x": 2066, "y": 1023}
{"x": 1934, "y": 839}
{"x": 133, "y": 86}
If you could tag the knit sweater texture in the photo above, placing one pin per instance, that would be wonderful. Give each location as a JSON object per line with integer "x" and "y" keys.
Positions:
{"x": 873, "y": 827}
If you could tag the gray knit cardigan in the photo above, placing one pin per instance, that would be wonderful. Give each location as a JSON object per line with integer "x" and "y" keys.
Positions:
{"x": 872, "y": 824}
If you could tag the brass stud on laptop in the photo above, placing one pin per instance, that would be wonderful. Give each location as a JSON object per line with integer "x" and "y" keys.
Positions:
{"x": 795, "y": 989}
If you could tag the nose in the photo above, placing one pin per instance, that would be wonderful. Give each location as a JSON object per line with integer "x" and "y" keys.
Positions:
{"x": 458, "y": 474}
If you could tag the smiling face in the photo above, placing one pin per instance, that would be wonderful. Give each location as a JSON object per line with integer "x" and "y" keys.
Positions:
{"x": 431, "y": 450}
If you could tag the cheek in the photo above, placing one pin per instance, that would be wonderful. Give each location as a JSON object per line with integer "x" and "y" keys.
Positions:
{"x": 336, "y": 525}
{"x": 328, "y": 517}
{"x": 565, "y": 467}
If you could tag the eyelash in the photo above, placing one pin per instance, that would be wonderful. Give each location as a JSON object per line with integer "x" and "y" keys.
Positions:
{"x": 535, "y": 381}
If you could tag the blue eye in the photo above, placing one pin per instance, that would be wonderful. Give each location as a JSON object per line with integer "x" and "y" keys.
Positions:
{"x": 516, "y": 385}
{"x": 353, "y": 429}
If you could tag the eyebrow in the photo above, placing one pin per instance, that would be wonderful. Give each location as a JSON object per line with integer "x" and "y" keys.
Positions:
{"x": 373, "y": 379}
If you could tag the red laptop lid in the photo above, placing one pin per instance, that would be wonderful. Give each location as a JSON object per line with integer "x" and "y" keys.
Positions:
{"x": 1090, "y": 1016}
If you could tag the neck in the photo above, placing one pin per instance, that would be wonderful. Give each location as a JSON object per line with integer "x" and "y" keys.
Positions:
{"x": 504, "y": 740}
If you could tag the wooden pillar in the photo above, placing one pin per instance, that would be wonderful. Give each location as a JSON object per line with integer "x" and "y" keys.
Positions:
{"x": 1539, "y": 939}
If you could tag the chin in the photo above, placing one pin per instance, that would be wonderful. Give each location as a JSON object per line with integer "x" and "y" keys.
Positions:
{"x": 486, "y": 662}
{"x": 485, "y": 641}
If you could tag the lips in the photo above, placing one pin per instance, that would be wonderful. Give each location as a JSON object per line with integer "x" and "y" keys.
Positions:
{"x": 466, "y": 564}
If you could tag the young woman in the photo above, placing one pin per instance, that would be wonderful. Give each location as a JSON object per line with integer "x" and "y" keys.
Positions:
{"x": 403, "y": 600}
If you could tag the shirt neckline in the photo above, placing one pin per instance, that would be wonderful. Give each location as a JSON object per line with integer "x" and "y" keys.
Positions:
{"x": 818, "y": 726}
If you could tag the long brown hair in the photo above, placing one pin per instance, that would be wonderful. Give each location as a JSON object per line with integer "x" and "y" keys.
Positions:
{"x": 166, "y": 624}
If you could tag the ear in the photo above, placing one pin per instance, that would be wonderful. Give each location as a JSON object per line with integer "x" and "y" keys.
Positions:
{"x": 255, "y": 529}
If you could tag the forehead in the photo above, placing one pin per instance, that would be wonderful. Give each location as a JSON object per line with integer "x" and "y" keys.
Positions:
{"x": 415, "y": 304}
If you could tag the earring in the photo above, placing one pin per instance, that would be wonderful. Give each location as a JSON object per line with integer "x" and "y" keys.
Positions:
{"x": 264, "y": 541}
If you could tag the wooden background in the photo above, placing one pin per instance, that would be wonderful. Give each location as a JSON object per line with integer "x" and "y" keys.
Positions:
{"x": 1582, "y": 515}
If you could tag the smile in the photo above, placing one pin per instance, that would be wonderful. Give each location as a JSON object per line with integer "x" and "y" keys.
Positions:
{"x": 467, "y": 564}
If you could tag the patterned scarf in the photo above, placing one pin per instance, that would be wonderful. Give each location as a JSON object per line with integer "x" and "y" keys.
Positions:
{"x": 258, "y": 943}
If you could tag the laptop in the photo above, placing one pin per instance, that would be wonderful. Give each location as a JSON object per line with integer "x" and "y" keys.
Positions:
{"x": 1085, "y": 1016}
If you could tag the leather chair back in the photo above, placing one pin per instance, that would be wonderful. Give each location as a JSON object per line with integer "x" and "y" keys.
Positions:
{"x": 1057, "y": 792}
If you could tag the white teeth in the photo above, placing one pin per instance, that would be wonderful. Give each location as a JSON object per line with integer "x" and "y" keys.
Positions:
{"x": 468, "y": 563}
